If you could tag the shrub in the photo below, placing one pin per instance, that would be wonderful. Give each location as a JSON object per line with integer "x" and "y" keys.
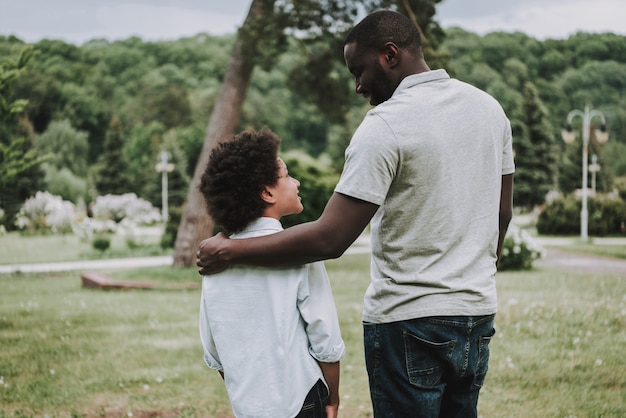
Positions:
{"x": 62, "y": 182}
{"x": 127, "y": 206}
{"x": 168, "y": 239}
{"x": 620, "y": 185}
{"x": 46, "y": 212}
{"x": 101, "y": 243}
{"x": 607, "y": 215}
{"x": 132, "y": 243}
{"x": 317, "y": 182}
{"x": 86, "y": 229}
{"x": 519, "y": 250}
{"x": 115, "y": 213}
{"x": 561, "y": 216}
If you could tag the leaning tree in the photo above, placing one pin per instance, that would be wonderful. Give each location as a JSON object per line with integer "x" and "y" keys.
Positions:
{"x": 318, "y": 26}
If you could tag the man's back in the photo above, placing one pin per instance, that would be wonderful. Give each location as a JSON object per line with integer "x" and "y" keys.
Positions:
{"x": 434, "y": 153}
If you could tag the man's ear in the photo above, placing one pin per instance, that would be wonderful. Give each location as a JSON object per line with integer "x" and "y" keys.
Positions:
{"x": 392, "y": 54}
{"x": 267, "y": 196}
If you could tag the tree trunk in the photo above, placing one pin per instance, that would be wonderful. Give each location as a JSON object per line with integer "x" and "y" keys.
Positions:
{"x": 196, "y": 224}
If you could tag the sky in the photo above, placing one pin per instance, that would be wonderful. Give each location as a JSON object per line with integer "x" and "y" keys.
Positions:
{"x": 78, "y": 21}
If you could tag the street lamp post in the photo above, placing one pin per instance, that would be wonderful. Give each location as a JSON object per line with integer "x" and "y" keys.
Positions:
{"x": 601, "y": 136}
{"x": 594, "y": 167}
{"x": 164, "y": 167}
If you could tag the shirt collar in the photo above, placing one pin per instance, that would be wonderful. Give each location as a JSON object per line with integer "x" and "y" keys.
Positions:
{"x": 425, "y": 77}
{"x": 261, "y": 224}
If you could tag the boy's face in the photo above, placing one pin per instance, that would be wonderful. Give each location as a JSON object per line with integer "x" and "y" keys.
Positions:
{"x": 285, "y": 199}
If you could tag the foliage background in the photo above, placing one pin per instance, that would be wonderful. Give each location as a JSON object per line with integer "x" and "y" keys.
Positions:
{"x": 104, "y": 110}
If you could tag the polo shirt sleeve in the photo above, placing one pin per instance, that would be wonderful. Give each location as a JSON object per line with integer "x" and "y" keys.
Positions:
{"x": 372, "y": 160}
{"x": 508, "y": 164}
{"x": 317, "y": 308}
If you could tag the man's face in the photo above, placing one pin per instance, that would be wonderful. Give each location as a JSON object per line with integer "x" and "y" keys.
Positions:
{"x": 370, "y": 78}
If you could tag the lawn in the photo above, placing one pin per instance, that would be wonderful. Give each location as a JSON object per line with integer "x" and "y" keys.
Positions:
{"x": 71, "y": 351}
{"x": 18, "y": 249}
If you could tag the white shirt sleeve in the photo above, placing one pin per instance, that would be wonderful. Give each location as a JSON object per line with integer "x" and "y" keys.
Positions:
{"x": 211, "y": 356}
{"x": 317, "y": 308}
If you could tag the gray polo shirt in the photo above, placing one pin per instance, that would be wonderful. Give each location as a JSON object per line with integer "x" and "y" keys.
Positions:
{"x": 432, "y": 157}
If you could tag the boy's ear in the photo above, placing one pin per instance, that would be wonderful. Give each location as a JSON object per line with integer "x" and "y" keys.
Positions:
{"x": 267, "y": 196}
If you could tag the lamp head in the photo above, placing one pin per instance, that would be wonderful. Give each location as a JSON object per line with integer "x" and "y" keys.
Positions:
{"x": 568, "y": 134}
{"x": 602, "y": 135}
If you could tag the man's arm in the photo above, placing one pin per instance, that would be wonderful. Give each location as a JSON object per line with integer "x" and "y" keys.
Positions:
{"x": 506, "y": 209}
{"x": 331, "y": 376}
{"x": 342, "y": 221}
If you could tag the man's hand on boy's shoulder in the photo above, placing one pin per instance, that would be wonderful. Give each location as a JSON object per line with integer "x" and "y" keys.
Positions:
{"x": 208, "y": 257}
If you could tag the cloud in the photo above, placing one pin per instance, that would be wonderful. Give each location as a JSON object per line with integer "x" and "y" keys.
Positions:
{"x": 79, "y": 22}
{"x": 545, "y": 19}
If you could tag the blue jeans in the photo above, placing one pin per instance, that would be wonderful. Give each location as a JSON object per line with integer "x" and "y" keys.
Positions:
{"x": 427, "y": 367}
{"x": 315, "y": 402}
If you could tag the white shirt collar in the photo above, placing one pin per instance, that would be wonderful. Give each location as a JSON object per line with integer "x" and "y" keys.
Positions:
{"x": 258, "y": 225}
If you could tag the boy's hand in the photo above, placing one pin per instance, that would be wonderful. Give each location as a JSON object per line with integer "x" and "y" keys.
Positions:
{"x": 208, "y": 257}
{"x": 332, "y": 411}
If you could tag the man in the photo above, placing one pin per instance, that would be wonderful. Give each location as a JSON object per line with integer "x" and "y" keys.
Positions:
{"x": 431, "y": 167}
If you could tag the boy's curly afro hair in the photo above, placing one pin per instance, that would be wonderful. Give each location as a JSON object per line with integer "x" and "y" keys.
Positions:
{"x": 235, "y": 176}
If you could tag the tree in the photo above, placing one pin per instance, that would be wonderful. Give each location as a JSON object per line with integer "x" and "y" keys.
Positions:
{"x": 16, "y": 153}
{"x": 112, "y": 174}
{"x": 20, "y": 171}
{"x": 141, "y": 150}
{"x": 260, "y": 40}
{"x": 421, "y": 12}
{"x": 66, "y": 146}
{"x": 570, "y": 174}
{"x": 66, "y": 169}
{"x": 196, "y": 223}
{"x": 536, "y": 152}
{"x": 177, "y": 179}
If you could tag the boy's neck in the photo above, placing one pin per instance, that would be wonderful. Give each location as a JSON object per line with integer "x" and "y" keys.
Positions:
{"x": 271, "y": 215}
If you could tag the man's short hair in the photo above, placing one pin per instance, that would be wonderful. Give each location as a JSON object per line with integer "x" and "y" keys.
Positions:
{"x": 236, "y": 174}
{"x": 383, "y": 26}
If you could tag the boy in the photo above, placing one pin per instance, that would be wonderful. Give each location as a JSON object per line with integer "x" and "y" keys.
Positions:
{"x": 273, "y": 334}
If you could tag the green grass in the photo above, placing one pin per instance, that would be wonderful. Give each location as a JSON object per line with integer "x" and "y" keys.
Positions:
{"x": 18, "y": 249}
{"x": 69, "y": 351}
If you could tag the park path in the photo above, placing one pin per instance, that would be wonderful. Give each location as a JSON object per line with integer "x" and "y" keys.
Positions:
{"x": 555, "y": 258}
{"x": 104, "y": 264}
{"x": 572, "y": 261}
{"x": 584, "y": 263}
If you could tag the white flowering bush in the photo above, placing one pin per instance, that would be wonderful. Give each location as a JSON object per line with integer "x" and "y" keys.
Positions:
{"x": 126, "y": 207}
{"x": 111, "y": 213}
{"x": 46, "y": 212}
{"x": 519, "y": 250}
{"x": 88, "y": 227}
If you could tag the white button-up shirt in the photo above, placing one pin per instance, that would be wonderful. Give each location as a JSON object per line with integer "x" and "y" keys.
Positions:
{"x": 265, "y": 328}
